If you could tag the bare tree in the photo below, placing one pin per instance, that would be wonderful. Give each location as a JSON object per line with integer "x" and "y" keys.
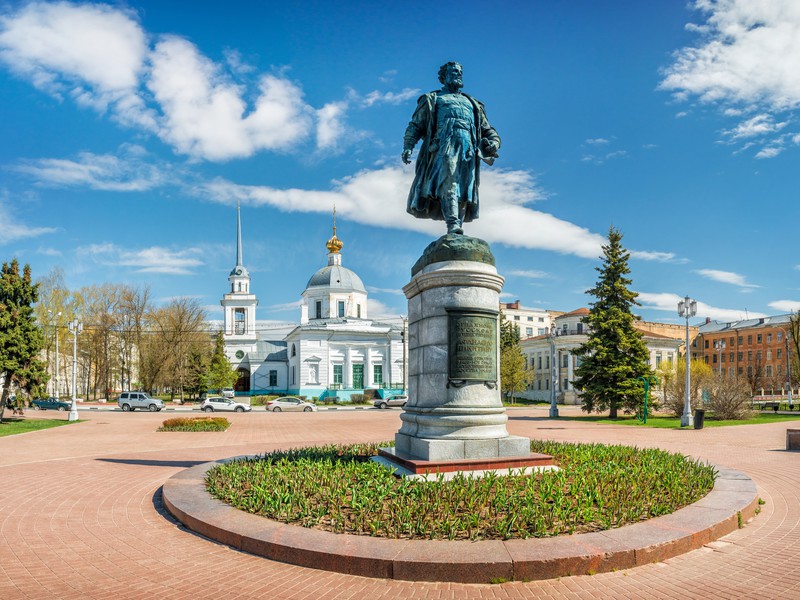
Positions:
{"x": 178, "y": 329}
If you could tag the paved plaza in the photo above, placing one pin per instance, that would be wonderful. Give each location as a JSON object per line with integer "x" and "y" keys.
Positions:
{"x": 81, "y": 514}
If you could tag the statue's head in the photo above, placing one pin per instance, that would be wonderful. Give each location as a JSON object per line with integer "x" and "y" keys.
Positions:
{"x": 450, "y": 74}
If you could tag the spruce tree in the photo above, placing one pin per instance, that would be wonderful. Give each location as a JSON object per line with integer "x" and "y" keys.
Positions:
{"x": 615, "y": 355}
{"x": 21, "y": 339}
{"x": 220, "y": 372}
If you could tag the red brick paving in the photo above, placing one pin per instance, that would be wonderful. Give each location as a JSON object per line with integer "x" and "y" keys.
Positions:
{"x": 81, "y": 515}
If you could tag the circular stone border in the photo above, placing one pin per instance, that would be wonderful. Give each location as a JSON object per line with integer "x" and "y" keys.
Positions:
{"x": 731, "y": 503}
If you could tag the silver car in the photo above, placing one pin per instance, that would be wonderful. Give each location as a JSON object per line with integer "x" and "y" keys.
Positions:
{"x": 129, "y": 401}
{"x": 396, "y": 400}
{"x": 217, "y": 403}
{"x": 290, "y": 403}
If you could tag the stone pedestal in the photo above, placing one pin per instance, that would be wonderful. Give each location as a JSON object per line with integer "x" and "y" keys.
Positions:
{"x": 455, "y": 410}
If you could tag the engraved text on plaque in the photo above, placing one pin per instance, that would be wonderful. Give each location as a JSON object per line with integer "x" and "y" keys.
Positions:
{"x": 472, "y": 345}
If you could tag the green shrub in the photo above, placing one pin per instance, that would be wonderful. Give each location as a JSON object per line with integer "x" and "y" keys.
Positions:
{"x": 195, "y": 424}
{"x": 358, "y": 399}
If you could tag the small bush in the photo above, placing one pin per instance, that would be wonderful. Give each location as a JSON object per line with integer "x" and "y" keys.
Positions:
{"x": 358, "y": 399}
{"x": 195, "y": 424}
{"x": 730, "y": 398}
{"x": 262, "y": 400}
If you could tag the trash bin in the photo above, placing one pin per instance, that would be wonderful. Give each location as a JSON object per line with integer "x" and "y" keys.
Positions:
{"x": 699, "y": 418}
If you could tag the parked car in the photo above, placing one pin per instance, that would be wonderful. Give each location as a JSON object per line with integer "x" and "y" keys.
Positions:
{"x": 129, "y": 401}
{"x": 215, "y": 403}
{"x": 228, "y": 393}
{"x": 50, "y": 404}
{"x": 290, "y": 403}
{"x": 396, "y": 400}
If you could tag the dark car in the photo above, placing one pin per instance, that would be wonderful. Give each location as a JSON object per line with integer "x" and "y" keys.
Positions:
{"x": 50, "y": 404}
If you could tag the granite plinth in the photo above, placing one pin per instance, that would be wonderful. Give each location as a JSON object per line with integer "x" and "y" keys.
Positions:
{"x": 438, "y": 449}
{"x": 417, "y": 465}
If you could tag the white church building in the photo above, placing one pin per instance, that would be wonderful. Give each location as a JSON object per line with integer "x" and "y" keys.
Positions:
{"x": 336, "y": 350}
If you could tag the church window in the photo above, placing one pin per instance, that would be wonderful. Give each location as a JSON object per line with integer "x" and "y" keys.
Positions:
{"x": 319, "y": 309}
{"x": 377, "y": 374}
{"x": 294, "y": 351}
{"x": 337, "y": 374}
{"x": 341, "y": 308}
{"x": 273, "y": 377}
{"x": 358, "y": 310}
{"x": 294, "y": 379}
{"x": 239, "y": 315}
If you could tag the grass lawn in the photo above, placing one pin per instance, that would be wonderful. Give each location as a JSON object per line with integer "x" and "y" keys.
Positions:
{"x": 675, "y": 422}
{"x": 16, "y": 425}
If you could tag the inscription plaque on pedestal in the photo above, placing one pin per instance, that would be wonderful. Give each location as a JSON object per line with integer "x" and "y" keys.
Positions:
{"x": 472, "y": 346}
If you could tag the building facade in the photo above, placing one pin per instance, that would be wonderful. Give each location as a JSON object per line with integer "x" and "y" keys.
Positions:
{"x": 530, "y": 321}
{"x": 758, "y": 349}
{"x": 553, "y": 364}
{"x": 336, "y": 350}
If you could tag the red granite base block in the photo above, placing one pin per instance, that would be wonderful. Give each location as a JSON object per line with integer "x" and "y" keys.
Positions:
{"x": 418, "y": 466}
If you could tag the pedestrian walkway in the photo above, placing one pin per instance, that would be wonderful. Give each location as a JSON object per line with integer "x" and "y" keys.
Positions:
{"x": 81, "y": 514}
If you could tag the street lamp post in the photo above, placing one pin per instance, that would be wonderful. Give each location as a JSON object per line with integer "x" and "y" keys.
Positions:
{"x": 687, "y": 308}
{"x": 720, "y": 346}
{"x": 75, "y": 327}
{"x": 552, "y": 334}
{"x": 788, "y": 370}
{"x": 55, "y": 379}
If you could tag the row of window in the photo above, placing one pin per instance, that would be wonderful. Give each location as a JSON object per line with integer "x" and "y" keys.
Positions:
{"x": 340, "y": 309}
{"x": 530, "y": 319}
{"x": 740, "y": 340}
{"x": 740, "y": 356}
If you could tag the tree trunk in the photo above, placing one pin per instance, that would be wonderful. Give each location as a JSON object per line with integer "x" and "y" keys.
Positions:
{"x": 613, "y": 412}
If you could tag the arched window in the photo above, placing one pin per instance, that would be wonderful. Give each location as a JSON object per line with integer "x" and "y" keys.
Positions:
{"x": 294, "y": 350}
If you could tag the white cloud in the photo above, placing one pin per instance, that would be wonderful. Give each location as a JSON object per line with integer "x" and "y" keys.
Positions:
{"x": 378, "y": 197}
{"x": 530, "y": 274}
{"x": 757, "y": 126}
{"x": 330, "y": 124}
{"x": 769, "y": 152}
{"x": 147, "y": 260}
{"x": 55, "y": 46}
{"x": 48, "y": 251}
{"x": 377, "y": 290}
{"x": 289, "y": 306}
{"x": 171, "y": 90}
{"x": 376, "y": 97}
{"x": 96, "y": 171}
{"x": 785, "y": 306}
{"x": 378, "y": 310}
{"x": 745, "y": 61}
{"x": 726, "y": 277}
{"x": 11, "y": 230}
{"x": 666, "y": 257}
{"x": 669, "y": 303}
{"x": 597, "y": 141}
{"x": 204, "y": 114}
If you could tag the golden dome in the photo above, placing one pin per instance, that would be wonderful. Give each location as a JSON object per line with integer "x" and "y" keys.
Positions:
{"x": 334, "y": 244}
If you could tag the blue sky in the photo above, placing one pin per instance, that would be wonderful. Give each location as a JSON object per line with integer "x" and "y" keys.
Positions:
{"x": 131, "y": 130}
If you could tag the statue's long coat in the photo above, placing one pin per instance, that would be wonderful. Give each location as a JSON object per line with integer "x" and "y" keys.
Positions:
{"x": 422, "y": 201}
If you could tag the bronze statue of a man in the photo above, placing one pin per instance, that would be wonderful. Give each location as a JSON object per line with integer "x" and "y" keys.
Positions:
{"x": 455, "y": 136}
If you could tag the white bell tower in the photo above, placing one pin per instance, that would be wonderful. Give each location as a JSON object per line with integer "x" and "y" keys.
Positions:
{"x": 239, "y": 304}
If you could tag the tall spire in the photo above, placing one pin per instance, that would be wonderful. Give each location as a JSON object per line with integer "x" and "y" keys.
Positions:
{"x": 239, "y": 234}
{"x": 239, "y": 270}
